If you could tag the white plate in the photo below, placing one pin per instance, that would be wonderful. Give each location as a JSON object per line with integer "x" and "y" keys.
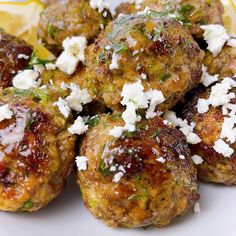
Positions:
{"x": 66, "y": 216}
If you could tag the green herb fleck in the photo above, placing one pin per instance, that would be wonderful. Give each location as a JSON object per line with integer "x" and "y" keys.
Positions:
{"x": 103, "y": 169}
{"x": 93, "y": 121}
{"x": 157, "y": 133}
{"x": 119, "y": 47}
{"x": 183, "y": 13}
{"x": 158, "y": 31}
{"x": 35, "y": 60}
{"x": 29, "y": 204}
{"x": 52, "y": 30}
{"x": 164, "y": 77}
{"x": 128, "y": 134}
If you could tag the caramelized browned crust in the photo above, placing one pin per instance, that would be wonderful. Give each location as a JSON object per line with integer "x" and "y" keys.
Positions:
{"x": 149, "y": 192}
{"x": 215, "y": 168}
{"x": 224, "y": 64}
{"x": 163, "y": 51}
{"x": 193, "y": 12}
{"x": 10, "y": 61}
{"x": 37, "y": 151}
{"x": 73, "y": 18}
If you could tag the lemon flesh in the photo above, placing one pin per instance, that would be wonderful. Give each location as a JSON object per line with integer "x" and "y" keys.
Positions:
{"x": 21, "y": 20}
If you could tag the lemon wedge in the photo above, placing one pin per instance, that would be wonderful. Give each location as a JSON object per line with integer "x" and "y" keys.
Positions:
{"x": 230, "y": 15}
{"x": 21, "y": 20}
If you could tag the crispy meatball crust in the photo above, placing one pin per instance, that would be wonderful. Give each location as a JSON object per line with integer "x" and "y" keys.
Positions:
{"x": 216, "y": 168}
{"x": 149, "y": 192}
{"x": 11, "y": 60}
{"x": 224, "y": 64}
{"x": 73, "y": 18}
{"x": 37, "y": 151}
{"x": 159, "y": 49}
{"x": 195, "y": 12}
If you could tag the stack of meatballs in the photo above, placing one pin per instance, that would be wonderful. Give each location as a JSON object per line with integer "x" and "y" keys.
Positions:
{"x": 148, "y": 174}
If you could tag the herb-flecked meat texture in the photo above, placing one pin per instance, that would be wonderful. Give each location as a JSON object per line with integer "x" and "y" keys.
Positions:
{"x": 193, "y": 13}
{"x": 14, "y": 56}
{"x": 224, "y": 64}
{"x": 74, "y": 18}
{"x": 37, "y": 151}
{"x": 158, "y": 51}
{"x": 149, "y": 192}
{"x": 215, "y": 167}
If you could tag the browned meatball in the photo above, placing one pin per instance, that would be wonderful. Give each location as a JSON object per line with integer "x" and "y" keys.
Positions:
{"x": 224, "y": 64}
{"x": 137, "y": 179}
{"x": 36, "y": 150}
{"x": 14, "y": 56}
{"x": 215, "y": 167}
{"x": 158, "y": 51}
{"x": 192, "y": 12}
{"x": 75, "y": 18}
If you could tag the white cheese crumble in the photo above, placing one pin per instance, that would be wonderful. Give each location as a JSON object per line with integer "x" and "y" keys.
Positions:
{"x": 232, "y": 43}
{"x": 228, "y": 130}
{"x": 182, "y": 157}
{"x": 78, "y": 97}
{"x": 5, "y": 112}
{"x": 161, "y": 160}
{"x": 23, "y": 56}
{"x": 74, "y": 48}
{"x": 81, "y": 162}
{"x": 197, "y": 159}
{"x": 215, "y": 36}
{"x": 188, "y": 130}
{"x": 50, "y": 66}
{"x": 101, "y": 5}
{"x": 114, "y": 61}
{"x": 131, "y": 41}
{"x": 26, "y": 79}
{"x": 117, "y": 177}
{"x": 208, "y": 79}
{"x": 202, "y": 106}
{"x": 134, "y": 98}
{"x": 155, "y": 97}
{"x": 223, "y": 148}
{"x": 197, "y": 208}
{"x": 63, "y": 107}
{"x": 79, "y": 127}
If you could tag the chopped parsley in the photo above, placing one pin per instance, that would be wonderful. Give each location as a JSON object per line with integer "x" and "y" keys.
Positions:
{"x": 52, "y": 30}
{"x": 103, "y": 169}
{"x": 35, "y": 60}
{"x": 93, "y": 121}
{"x": 164, "y": 77}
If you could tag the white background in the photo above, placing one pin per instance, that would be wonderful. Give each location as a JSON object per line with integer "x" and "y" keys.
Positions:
{"x": 67, "y": 216}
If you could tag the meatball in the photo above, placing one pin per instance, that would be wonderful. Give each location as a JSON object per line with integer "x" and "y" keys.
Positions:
{"x": 192, "y": 12}
{"x": 224, "y": 64}
{"x": 74, "y": 18}
{"x": 215, "y": 167}
{"x": 158, "y": 51}
{"x": 137, "y": 179}
{"x": 36, "y": 150}
{"x": 14, "y": 56}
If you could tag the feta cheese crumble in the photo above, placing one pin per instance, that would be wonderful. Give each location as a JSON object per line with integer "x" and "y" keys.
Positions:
{"x": 78, "y": 97}
{"x": 188, "y": 130}
{"x": 79, "y": 127}
{"x": 81, "y": 162}
{"x": 197, "y": 160}
{"x": 117, "y": 177}
{"x": 23, "y": 56}
{"x": 208, "y": 79}
{"x": 197, "y": 208}
{"x": 5, "y": 112}
{"x": 74, "y": 48}
{"x": 63, "y": 107}
{"x": 223, "y": 148}
{"x": 215, "y": 36}
{"x": 101, "y": 5}
{"x": 161, "y": 160}
{"x": 202, "y": 106}
{"x": 114, "y": 61}
{"x": 134, "y": 98}
{"x": 26, "y": 79}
